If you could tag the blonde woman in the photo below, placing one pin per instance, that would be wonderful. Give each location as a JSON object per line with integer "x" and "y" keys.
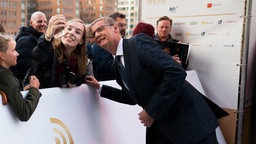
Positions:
{"x": 11, "y": 88}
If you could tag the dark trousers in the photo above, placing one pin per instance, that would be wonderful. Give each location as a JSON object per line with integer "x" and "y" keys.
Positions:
{"x": 155, "y": 136}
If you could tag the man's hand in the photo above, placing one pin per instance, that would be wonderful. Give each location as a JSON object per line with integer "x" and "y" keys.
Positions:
{"x": 146, "y": 119}
{"x": 91, "y": 81}
{"x": 176, "y": 58}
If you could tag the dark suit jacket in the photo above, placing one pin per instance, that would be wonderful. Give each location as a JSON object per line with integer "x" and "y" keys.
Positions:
{"x": 102, "y": 62}
{"x": 158, "y": 85}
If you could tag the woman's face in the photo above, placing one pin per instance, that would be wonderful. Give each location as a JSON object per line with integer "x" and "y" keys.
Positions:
{"x": 9, "y": 58}
{"x": 74, "y": 34}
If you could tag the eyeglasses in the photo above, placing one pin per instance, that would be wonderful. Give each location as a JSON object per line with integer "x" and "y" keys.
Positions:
{"x": 89, "y": 37}
{"x": 100, "y": 29}
{"x": 121, "y": 25}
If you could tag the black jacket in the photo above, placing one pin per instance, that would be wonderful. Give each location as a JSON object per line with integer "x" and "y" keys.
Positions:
{"x": 45, "y": 65}
{"x": 26, "y": 40}
{"x": 158, "y": 85}
{"x": 102, "y": 62}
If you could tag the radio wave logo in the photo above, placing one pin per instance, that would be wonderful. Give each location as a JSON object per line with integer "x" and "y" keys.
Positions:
{"x": 60, "y": 133}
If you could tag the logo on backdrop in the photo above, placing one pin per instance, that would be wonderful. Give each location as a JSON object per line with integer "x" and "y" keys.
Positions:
{"x": 213, "y": 5}
{"x": 172, "y": 9}
{"x": 61, "y": 132}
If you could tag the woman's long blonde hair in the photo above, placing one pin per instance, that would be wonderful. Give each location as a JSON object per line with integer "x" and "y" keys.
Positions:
{"x": 79, "y": 52}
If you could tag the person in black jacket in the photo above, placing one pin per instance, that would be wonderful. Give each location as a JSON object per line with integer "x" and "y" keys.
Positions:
{"x": 27, "y": 40}
{"x": 163, "y": 36}
{"x": 61, "y": 54}
{"x": 173, "y": 111}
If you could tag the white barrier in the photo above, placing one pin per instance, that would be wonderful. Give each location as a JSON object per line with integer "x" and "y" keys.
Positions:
{"x": 78, "y": 116}
{"x": 68, "y": 116}
{"x": 192, "y": 77}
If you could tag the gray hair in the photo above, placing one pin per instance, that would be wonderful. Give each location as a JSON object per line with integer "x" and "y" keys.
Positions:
{"x": 107, "y": 20}
{"x": 35, "y": 15}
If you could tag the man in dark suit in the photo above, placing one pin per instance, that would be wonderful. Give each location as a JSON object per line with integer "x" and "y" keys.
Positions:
{"x": 174, "y": 112}
{"x": 102, "y": 59}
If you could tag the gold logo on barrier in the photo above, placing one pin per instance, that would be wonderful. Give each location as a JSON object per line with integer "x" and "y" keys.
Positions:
{"x": 60, "y": 133}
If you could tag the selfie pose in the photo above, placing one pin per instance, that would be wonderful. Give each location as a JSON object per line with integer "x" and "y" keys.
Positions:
{"x": 61, "y": 59}
{"x": 173, "y": 111}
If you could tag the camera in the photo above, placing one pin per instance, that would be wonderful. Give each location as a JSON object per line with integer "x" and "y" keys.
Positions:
{"x": 67, "y": 79}
{"x": 74, "y": 79}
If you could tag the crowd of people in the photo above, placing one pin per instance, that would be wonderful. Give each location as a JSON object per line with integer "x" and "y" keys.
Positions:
{"x": 69, "y": 53}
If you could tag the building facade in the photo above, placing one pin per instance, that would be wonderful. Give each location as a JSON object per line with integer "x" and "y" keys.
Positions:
{"x": 131, "y": 9}
{"x": 93, "y": 9}
{"x": 17, "y": 13}
{"x": 10, "y": 15}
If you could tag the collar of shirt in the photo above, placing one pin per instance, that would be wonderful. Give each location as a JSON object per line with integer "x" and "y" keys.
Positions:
{"x": 119, "y": 51}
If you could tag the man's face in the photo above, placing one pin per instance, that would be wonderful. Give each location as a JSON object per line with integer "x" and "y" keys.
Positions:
{"x": 39, "y": 23}
{"x": 89, "y": 37}
{"x": 103, "y": 34}
{"x": 122, "y": 24}
{"x": 163, "y": 28}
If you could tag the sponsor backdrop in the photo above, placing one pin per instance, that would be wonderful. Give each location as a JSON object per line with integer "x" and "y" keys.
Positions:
{"x": 215, "y": 31}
